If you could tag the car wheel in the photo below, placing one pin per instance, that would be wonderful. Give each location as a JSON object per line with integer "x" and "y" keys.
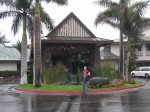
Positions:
{"x": 146, "y": 76}
{"x": 133, "y": 75}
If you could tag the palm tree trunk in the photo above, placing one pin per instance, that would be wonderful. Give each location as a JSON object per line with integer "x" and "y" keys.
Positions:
{"x": 128, "y": 77}
{"x": 23, "y": 79}
{"x": 37, "y": 81}
{"x": 121, "y": 59}
{"x": 127, "y": 65}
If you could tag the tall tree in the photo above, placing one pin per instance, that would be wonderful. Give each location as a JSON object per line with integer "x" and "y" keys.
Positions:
{"x": 135, "y": 25}
{"x": 22, "y": 13}
{"x": 37, "y": 81}
{"x": 115, "y": 15}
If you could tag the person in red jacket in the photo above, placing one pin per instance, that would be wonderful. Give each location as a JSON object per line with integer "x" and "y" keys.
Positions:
{"x": 84, "y": 78}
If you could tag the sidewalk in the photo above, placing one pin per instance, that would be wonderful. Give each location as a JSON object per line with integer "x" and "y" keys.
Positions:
{"x": 91, "y": 92}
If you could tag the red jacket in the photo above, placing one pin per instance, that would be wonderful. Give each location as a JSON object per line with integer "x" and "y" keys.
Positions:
{"x": 87, "y": 73}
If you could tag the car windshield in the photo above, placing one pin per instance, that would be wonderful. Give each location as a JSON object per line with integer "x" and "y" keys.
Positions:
{"x": 138, "y": 69}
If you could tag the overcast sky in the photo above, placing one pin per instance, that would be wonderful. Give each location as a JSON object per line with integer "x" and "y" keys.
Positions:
{"x": 85, "y": 10}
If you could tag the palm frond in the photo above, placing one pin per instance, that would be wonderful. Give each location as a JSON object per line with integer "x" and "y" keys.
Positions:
{"x": 6, "y": 2}
{"x": 124, "y": 2}
{"x": 114, "y": 24}
{"x": 59, "y": 2}
{"x": 105, "y": 3}
{"x": 24, "y": 5}
{"x": 107, "y": 15}
{"x": 29, "y": 26}
{"x": 18, "y": 45}
{"x": 17, "y": 20}
{"x": 46, "y": 19}
{"x": 6, "y": 14}
{"x": 140, "y": 7}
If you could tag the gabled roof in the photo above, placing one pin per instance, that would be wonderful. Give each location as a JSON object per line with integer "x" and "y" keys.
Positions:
{"x": 72, "y": 30}
{"x": 107, "y": 54}
{"x": 71, "y": 26}
{"x": 9, "y": 53}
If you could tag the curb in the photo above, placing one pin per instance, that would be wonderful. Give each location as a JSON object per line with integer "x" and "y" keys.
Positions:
{"x": 77, "y": 92}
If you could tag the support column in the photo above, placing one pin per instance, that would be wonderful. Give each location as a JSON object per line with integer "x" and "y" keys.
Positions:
{"x": 94, "y": 55}
{"x": 46, "y": 58}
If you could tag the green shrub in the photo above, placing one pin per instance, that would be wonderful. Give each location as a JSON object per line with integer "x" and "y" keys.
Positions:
{"x": 106, "y": 69}
{"x": 9, "y": 73}
{"x": 54, "y": 74}
{"x": 131, "y": 82}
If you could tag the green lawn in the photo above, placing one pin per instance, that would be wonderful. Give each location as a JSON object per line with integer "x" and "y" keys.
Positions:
{"x": 50, "y": 87}
{"x": 67, "y": 87}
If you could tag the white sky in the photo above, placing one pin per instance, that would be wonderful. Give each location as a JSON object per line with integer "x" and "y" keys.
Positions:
{"x": 85, "y": 10}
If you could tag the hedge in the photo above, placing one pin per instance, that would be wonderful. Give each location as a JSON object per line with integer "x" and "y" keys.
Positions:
{"x": 9, "y": 73}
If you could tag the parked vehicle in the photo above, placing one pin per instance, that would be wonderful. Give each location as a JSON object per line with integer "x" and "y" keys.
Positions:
{"x": 141, "y": 71}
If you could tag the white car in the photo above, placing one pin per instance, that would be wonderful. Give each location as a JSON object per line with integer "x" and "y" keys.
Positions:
{"x": 141, "y": 71}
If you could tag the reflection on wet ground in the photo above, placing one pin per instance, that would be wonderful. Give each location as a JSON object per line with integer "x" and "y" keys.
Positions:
{"x": 137, "y": 100}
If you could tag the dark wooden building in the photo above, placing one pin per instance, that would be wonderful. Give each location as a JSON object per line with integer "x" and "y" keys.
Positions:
{"x": 69, "y": 38}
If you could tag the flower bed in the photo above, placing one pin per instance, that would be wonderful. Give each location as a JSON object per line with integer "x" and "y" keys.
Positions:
{"x": 118, "y": 84}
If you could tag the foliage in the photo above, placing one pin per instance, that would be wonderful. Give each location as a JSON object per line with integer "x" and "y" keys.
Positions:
{"x": 3, "y": 39}
{"x": 110, "y": 85}
{"x": 118, "y": 84}
{"x": 131, "y": 82}
{"x": 106, "y": 69}
{"x": 54, "y": 74}
{"x": 20, "y": 8}
{"x": 9, "y": 73}
{"x": 18, "y": 45}
{"x": 126, "y": 16}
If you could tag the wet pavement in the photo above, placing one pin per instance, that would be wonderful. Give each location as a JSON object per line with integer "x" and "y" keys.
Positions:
{"x": 135, "y": 100}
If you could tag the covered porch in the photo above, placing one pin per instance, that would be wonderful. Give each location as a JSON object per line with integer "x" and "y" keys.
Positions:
{"x": 55, "y": 49}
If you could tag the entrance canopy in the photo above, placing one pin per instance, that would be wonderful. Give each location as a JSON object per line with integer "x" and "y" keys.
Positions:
{"x": 71, "y": 37}
{"x": 72, "y": 44}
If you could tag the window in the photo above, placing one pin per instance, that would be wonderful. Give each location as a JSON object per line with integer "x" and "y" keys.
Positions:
{"x": 145, "y": 69}
{"x": 138, "y": 69}
{"x": 139, "y": 51}
{"x": 147, "y": 50}
{"x": 147, "y": 47}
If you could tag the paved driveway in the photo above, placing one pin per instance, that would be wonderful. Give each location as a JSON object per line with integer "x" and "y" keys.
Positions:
{"x": 136, "y": 100}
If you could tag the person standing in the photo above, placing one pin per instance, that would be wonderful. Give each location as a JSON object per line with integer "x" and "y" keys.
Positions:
{"x": 84, "y": 78}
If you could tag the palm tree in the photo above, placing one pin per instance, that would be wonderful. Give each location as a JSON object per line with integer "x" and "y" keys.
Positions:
{"x": 22, "y": 12}
{"x": 37, "y": 82}
{"x": 133, "y": 29}
{"x": 115, "y": 15}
